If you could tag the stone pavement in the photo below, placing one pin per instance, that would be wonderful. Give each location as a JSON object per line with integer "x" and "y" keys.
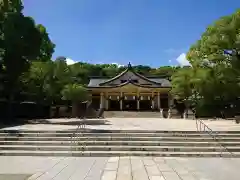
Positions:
{"x": 130, "y": 123}
{"x": 118, "y": 168}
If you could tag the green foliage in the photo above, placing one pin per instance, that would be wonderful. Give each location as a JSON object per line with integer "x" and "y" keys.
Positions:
{"x": 36, "y": 80}
{"x": 21, "y": 42}
{"x": 181, "y": 84}
{"x": 75, "y": 93}
{"x": 213, "y": 80}
{"x": 221, "y": 35}
{"x": 47, "y": 46}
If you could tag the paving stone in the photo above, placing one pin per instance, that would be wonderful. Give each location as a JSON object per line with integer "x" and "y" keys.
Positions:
{"x": 170, "y": 176}
{"x": 140, "y": 175}
{"x": 159, "y": 159}
{"x": 124, "y": 166}
{"x": 82, "y": 168}
{"x": 153, "y": 170}
{"x": 200, "y": 175}
{"x": 124, "y": 169}
{"x": 172, "y": 162}
{"x": 188, "y": 177}
{"x": 111, "y": 166}
{"x": 109, "y": 175}
{"x": 51, "y": 173}
{"x": 113, "y": 159}
{"x": 124, "y": 157}
{"x": 163, "y": 167}
{"x": 69, "y": 170}
{"x": 14, "y": 176}
{"x": 149, "y": 162}
{"x": 137, "y": 164}
{"x": 156, "y": 178}
{"x": 181, "y": 170}
{"x": 35, "y": 176}
{"x": 97, "y": 169}
{"x": 124, "y": 177}
{"x": 138, "y": 170}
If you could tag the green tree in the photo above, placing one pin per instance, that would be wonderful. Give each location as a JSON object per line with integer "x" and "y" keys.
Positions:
{"x": 221, "y": 83}
{"x": 60, "y": 75}
{"x": 220, "y": 36}
{"x": 36, "y": 81}
{"x": 182, "y": 84}
{"x": 76, "y": 94}
{"x": 21, "y": 43}
{"x": 46, "y": 47}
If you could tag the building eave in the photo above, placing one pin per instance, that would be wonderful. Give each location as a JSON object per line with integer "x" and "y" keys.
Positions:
{"x": 129, "y": 68}
{"x": 129, "y": 82}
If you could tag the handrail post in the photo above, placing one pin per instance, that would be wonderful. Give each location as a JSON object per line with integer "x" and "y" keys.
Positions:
{"x": 211, "y": 133}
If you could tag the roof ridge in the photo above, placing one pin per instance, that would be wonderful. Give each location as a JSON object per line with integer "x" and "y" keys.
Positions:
{"x": 129, "y": 68}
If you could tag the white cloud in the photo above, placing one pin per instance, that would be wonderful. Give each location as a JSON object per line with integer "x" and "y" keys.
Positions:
{"x": 181, "y": 59}
{"x": 117, "y": 64}
{"x": 70, "y": 61}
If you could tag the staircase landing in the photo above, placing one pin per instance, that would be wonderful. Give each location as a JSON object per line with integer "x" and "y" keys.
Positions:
{"x": 131, "y": 114}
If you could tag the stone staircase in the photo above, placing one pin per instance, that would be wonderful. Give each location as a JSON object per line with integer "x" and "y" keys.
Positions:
{"x": 119, "y": 143}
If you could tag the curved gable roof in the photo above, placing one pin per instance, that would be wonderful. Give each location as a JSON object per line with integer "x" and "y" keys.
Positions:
{"x": 130, "y": 82}
{"x": 129, "y": 68}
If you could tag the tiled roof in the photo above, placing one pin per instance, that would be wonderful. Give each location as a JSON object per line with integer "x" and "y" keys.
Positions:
{"x": 155, "y": 82}
{"x": 94, "y": 82}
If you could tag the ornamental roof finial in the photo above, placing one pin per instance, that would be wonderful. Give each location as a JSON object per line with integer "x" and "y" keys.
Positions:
{"x": 129, "y": 65}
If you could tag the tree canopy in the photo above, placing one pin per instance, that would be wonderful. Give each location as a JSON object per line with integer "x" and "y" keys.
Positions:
{"x": 213, "y": 78}
{"x": 27, "y": 68}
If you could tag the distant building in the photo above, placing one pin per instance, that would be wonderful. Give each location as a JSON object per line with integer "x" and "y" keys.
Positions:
{"x": 130, "y": 90}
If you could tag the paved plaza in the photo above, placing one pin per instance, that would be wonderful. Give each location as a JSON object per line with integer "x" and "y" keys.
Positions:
{"x": 130, "y": 124}
{"x": 121, "y": 168}
{"x": 115, "y": 168}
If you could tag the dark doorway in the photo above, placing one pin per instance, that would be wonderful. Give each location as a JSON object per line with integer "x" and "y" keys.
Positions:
{"x": 164, "y": 103}
{"x": 113, "y": 105}
{"x": 145, "y": 105}
{"x": 96, "y": 102}
{"x": 130, "y": 105}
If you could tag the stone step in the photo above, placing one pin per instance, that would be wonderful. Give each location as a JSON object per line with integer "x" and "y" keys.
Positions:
{"x": 120, "y": 148}
{"x": 120, "y": 143}
{"x": 109, "y": 138}
{"x": 118, "y": 153}
{"x": 47, "y": 134}
{"x": 114, "y": 131}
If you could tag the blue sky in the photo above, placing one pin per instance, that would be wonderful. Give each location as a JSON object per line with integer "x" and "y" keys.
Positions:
{"x": 147, "y": 32}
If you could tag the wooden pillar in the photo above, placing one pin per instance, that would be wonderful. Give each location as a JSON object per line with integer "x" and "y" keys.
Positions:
{"x": 121, "y": 103}
{"x": 153, "y": 103}
{"x": 138, "y": 103}
{"x": 159, "y": 102}
{"x": 107, "y": 101}
{"x": 170, "y": 100}
{"x": 102, "y": 101}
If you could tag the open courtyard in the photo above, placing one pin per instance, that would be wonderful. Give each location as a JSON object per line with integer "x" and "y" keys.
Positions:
{"x": 123, "y": 167}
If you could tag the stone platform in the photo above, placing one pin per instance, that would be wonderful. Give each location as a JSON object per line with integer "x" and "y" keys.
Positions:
{"x": 127, "y": 124}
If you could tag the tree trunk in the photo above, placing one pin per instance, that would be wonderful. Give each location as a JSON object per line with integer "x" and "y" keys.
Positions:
{"x": 9, "y": 114}
{"x": 56, "y": 113}
{"x": 74, "y": 109}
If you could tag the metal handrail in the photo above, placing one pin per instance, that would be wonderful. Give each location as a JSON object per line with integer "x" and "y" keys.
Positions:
{"x": 200, "y": 124}
{"x": 75, "y": 137}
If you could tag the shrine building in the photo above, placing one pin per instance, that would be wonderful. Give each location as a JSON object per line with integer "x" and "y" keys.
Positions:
{"x": 130, "y": 90}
